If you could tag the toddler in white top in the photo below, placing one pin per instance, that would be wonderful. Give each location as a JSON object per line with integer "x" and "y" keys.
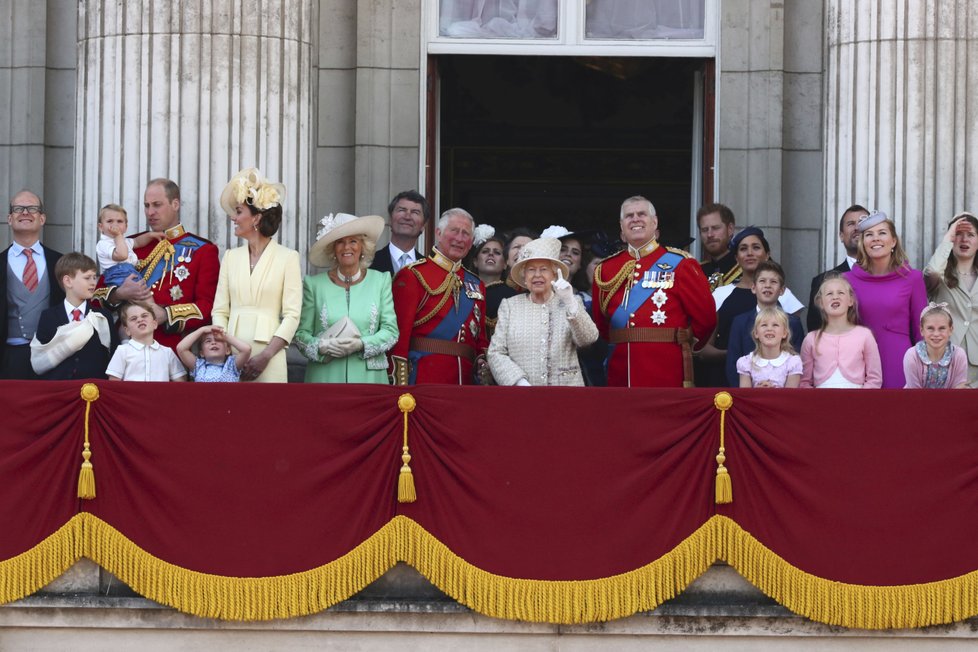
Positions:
{"x": 114, "y": 251}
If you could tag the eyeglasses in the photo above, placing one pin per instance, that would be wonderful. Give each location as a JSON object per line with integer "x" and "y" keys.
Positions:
{"x": 17, "y": 210}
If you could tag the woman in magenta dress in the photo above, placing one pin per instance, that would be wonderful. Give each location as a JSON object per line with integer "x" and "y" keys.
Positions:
{"x": 891, "y": 294}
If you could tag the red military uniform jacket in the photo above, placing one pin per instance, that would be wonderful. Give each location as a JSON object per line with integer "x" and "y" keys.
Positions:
{"x": 431, "y": 349}
{"x": 645, "y": 352}
{"x": 182, "y": 271}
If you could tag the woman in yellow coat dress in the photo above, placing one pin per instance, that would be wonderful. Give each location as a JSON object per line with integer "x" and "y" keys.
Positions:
{"x": 259, "y": 291}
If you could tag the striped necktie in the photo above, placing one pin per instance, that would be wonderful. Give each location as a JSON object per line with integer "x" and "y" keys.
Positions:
{"x": 30, "y": 271}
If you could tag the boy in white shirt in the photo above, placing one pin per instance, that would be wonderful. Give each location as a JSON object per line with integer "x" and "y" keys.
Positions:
{"x": 142, "y": 357}
{"x": 114, "y": 250}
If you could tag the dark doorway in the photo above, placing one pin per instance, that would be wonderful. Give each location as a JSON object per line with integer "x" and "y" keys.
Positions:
{"x": 534, "y": 141}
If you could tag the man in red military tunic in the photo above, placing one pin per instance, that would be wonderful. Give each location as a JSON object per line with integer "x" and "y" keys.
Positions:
{"x": 179, "y": 273}
{"x": 652, "y": 303}
{"x": 441, "y": 311}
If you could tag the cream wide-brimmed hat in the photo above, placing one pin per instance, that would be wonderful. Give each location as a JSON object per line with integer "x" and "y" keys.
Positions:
{"x": 540, "y": 249}
{"x": 343, "y": 225}
{"x": 249, "y": 186}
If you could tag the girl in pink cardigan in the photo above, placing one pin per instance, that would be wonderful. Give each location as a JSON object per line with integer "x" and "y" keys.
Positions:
{"x": 841, "y": 354}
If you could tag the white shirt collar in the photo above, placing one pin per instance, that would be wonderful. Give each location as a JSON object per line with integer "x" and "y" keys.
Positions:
{"x": 777, "y": 362}
{"x": 69, "y": 308}
{"x": 17, "y": 249}
{"x": 851, "y": 261}
{"x": 396, "y": 253}
{"x": 139, "y": 346}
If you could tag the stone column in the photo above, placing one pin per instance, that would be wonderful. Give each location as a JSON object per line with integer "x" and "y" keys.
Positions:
{"x": 192, "y": 91}
{"x": 901, "y": 126}
{"x": 37, "y": 73}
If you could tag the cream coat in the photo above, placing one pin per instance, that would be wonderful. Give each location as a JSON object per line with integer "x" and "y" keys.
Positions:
{"x": 539, "y": 342}
{"x": 257, "y": 306}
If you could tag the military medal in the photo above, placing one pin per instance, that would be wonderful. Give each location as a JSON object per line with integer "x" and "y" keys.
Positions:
{"x": 182, "y": 273}
{"x": 659, "y": 298}
{"x": 658, "y": 317}
{"x": 180, "y": 258}
{"x": 176, "y": 293}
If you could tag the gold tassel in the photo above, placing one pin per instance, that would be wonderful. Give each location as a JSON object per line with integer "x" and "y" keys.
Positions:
{"x": 86, "y": 479}
{"x": 405, "y": 481}
{"x": 724, "y": 486}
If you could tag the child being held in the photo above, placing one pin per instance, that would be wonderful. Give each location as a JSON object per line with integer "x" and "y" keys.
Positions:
{"x": 768, "y": 287}
{"x": 142, "y": 358}
{"x": 934, "y": 362}
{"x": 773, "y": 362}
{"x": 216, "y": 363}
{"x": 74, "y": 339}
{"x": 114, "y": 250}
{"x": 841, "y": 354}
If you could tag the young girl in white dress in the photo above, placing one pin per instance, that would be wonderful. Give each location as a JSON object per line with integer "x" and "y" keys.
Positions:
{"x": 841, "y": 354}
{"x": 773, "y": 362}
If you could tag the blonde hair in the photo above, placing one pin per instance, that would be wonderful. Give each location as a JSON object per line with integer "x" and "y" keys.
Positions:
{"x": 112, "y": 207}
{"x": 774, "y": 312}
{"x": 368, "y": 248}
{"x": 898, "y": 257}
{"x": 852, "y": 314}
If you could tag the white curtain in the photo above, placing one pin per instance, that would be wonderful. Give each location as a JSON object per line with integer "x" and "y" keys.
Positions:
{"x": 645, "y": 19}
{"x": 523, "y": 19}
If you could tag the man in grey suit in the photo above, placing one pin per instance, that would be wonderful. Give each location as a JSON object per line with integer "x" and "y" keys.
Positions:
{"x": 408, "y": 213}
{"x": 27, "y": 285}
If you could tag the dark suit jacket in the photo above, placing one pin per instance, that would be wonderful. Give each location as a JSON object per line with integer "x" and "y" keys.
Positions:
{"x": 382, "y": 260}
{"x": 814, "y": 314}
{"x": 88, "y": 362}
{"x": 57, "y": 294}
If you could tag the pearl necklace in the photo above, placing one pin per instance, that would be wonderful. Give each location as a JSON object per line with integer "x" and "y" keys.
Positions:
{"x": 351, "y": 279}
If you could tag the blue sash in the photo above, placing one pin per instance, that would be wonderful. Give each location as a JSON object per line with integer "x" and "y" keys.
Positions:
{"x": 187, "y": 245}
{"x": 638, "y": 295}
{"x": 448, "y": 327}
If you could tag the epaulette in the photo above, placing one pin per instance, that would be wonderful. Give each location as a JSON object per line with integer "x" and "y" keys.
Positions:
{"x": 681, "y": 252}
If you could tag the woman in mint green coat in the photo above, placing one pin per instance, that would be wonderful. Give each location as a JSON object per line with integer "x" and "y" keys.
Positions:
{"x": 347, "y": 323}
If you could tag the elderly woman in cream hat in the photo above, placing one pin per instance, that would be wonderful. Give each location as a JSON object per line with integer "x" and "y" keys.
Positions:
{"x": 348, "y": 322}
{"x": 538, "y": 333}
{"x": 259, "y": 291}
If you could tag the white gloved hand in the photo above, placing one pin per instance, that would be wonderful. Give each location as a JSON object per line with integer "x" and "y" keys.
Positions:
{"x": 523, "y": 383}
{"x": 325, "y": 345}
{"x": 565, "y": 292}
{"x": 349, "y": 345}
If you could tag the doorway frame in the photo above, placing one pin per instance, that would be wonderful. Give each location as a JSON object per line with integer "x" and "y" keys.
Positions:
{"x": 705, "y": 180}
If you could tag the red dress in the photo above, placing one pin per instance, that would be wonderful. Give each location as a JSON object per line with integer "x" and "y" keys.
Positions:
{"x": 681, "y": 300}
{"x": 425, "y": 297}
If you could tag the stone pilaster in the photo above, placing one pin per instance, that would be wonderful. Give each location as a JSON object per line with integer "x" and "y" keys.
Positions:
{"x": 192, "y": 91}
{"x": 901, "y": 126}
{"x": 37, "y": 73}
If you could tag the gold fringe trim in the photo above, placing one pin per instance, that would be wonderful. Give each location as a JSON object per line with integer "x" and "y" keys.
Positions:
{"x": 34, "y": 569}
{"x": 563, "y": 602}
{"x": 239, "y": 598}
{"x": 551, "y": 601}
{"x": 848, "y": 605}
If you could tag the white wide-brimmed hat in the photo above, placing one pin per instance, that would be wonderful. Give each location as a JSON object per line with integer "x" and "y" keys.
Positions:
{"x": 342, "y": 225}
{"x": 249, "y": 186}
{"x": 540, "y": 249}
